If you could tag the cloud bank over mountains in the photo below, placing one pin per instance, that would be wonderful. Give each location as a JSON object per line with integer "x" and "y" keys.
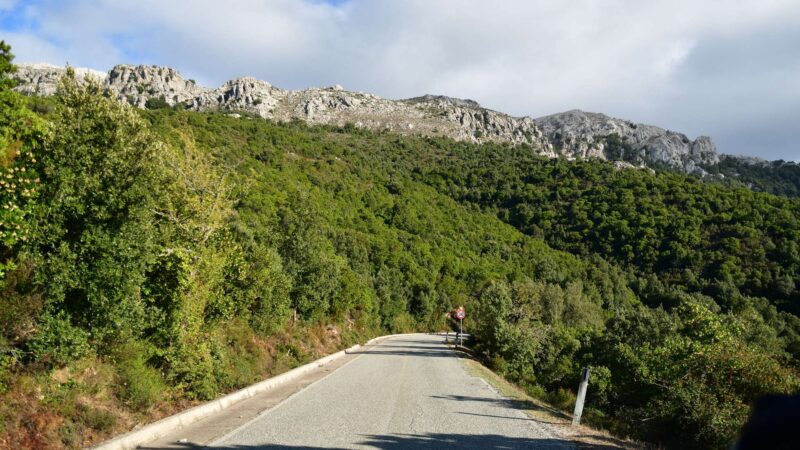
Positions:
{"x": 730, "y": 70}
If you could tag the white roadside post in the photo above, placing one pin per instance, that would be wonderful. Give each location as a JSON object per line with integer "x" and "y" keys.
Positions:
{"x": 447, "y": 328}
{"x": 576, "y": 416}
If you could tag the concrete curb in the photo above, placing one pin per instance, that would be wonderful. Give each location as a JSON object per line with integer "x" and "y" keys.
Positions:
{"x": 166, "y": 425}
{"x": 160, "y": 428}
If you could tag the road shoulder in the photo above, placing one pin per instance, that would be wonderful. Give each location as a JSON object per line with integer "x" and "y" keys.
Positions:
{"x": 555, "y": 421}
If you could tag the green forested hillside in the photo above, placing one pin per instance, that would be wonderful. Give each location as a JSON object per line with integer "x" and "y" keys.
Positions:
{"x": 155, "y": 258}
{"x": 732, "y": 244}
{"x": 777, "y": 177}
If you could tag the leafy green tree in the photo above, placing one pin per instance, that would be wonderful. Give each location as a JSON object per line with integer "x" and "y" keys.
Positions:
{"x": 95, "y": 234}
{"x": 21, "y": 135}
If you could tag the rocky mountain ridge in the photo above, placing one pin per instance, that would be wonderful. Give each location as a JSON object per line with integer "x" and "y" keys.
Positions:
{"x": 572, "y": 134}
{"x": 585, "y": 135}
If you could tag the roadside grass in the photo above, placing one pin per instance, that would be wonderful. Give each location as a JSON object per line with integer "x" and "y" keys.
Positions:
{"x": 95, "y": 398}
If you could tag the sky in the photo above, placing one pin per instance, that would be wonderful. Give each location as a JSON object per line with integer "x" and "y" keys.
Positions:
{"x": 729, "y": 69}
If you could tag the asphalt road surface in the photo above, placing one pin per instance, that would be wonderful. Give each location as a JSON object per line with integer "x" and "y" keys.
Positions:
{"x": 405, "y": 392}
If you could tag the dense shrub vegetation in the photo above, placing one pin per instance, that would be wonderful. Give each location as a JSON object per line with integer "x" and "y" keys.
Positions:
{"x": 156, "y": 256}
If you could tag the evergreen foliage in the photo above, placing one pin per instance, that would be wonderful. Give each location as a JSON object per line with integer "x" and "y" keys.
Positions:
{"x": 776, "y": 177}
{"x": 168, "y": 243}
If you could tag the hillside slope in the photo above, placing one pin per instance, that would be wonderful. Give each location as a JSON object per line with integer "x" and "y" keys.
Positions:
{"x": 709, "y": 275}
{"x": 154, "y": 258}
{"x": 164, "y": 263}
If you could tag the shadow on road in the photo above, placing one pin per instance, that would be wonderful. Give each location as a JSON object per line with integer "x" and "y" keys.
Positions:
{"x": 505, "y": 403}
{"x": 411, "y": 348}
{"x": 428, "y": 347}
{"x": 426, "y": 353}
{"x": 607, "y": 442}
{"x": 530, "y": 419}
{"x": 428, "y": 441}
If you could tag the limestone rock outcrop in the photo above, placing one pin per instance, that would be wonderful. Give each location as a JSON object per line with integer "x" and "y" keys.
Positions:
{"x": 136, "y": 85}
{"x": 42, "y": 79}
{"x": 572, "y": 134}
{"x": 579, "y": 134}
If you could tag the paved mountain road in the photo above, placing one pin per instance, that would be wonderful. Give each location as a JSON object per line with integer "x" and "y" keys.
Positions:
{"x": 402, "y": 393}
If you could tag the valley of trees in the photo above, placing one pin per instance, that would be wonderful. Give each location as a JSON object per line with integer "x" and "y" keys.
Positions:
{"x": 151, "y": 259}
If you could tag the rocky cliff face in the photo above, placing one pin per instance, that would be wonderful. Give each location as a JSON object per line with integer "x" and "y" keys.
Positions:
{"x": 578, "y": 134}
{"x": 573, "y": 134}
{"x": 428, "y": 115}
{"x": 136, "y": 85}
{"x": 42, "y": 79}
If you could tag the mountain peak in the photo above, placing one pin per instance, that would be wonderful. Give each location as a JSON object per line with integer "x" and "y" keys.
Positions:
{"x": 573, "y": 134}
{"x": 428, "y": 98}
{"x": 584, "y": 135}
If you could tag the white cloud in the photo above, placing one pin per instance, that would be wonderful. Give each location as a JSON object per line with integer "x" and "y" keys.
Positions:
{"x": 646, "y": 61}
{"x": 6, "y": 5}
{"x": 33, "y": 49}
